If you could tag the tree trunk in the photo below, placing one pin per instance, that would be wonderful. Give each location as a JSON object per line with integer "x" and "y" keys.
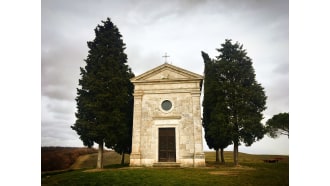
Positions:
{"x": 99, "y": 164}
{"x": 217, "y": 155}
{"x": 122, "y": 158}
{"x": 222, "y": 156}
{"x": 236, "y": 153}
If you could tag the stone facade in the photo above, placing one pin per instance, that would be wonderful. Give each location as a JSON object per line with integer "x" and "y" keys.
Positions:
{"x": 167, "y": 97}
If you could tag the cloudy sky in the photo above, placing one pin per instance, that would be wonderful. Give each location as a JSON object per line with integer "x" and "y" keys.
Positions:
{"x": 150, "y": 28}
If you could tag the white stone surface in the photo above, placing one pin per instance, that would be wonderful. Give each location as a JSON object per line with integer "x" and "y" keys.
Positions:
{"x": 182, "y": 88}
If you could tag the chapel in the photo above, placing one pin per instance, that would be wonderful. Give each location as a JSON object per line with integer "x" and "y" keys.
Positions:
{"x": 167, "y": 126}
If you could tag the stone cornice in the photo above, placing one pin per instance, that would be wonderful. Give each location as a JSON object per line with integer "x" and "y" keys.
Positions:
{"x": 138, "y": 94}
{"x": 168, "y": 81}
{"x": 189, "y": 75}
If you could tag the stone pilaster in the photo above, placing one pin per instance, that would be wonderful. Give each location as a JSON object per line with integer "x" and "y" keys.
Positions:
{"x": 135, "y": 157}
{"x": 199, "y": 157}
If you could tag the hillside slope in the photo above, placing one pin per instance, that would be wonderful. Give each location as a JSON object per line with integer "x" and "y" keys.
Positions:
{"x": 60, "y": 158}
{"x": 89, "y": 160}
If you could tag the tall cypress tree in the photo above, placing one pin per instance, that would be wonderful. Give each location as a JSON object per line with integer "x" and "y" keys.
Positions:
{"x": 105, "y": 100}
{"x": 241, "y": 99}
{"x": 215, "y": 121}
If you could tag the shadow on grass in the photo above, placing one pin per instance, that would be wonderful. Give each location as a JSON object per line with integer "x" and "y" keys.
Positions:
{"x": 213, "y": 164}
{"x": 50, "y": 173}
{"x": 116, "y": 166}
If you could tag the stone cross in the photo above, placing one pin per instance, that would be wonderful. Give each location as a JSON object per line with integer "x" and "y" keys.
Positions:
{"x": 165, "y": 56}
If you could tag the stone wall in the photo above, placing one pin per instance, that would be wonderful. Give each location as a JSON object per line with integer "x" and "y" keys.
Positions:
{"x": 184, "y": 116}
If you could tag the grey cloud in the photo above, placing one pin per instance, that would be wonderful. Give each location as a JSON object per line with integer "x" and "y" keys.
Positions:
{"x": 278, "y": 96}
{"x": 52, "y": 121}
{"x": 57, "y": 114}
{"x": 60, "y": 91}
{"x": 60, "y": 107}
{"x": 154, "y": 10}
{"x": 140, "y": 61}
{"x": 282, "y": 68}
{"x": 60, "y": 70}
{"x": 269, "y": 8}
{"x": 64, "y": 117}
{"x": 60, "y": 134}
{"x": 63, "y": 142}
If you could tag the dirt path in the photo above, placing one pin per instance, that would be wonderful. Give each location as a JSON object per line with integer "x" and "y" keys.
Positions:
{"x": 79, "y": 161}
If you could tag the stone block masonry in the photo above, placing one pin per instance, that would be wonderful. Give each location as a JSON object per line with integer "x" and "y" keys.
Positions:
{"x": 167, "y": 98}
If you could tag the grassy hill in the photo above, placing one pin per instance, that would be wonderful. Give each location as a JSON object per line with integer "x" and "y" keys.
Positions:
{"x": 244, "y": 158}
{"x": 89, "y": 160}
{"x": 252, "y": 171}
{"x": 59, "y": 158}
{"x": 63, "y": 158}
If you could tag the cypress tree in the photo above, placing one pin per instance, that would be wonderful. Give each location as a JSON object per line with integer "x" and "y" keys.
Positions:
{"x": 240, "y": 99}
{"x": 104, "y": 99}
{"x": 215, "y": 121}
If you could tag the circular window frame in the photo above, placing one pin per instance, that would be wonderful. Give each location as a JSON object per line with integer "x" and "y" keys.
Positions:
{"x": 161, "y": 105}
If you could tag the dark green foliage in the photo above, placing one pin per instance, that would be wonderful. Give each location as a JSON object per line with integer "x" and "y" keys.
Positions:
{"x": 278, "y": 125}
{"x": 233, "y": 99}
{"x": 105, "y": 101}
{"x": 215, "y": 120}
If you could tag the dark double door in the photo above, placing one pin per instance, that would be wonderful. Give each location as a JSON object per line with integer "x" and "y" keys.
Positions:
{"x": 166, "y": 145}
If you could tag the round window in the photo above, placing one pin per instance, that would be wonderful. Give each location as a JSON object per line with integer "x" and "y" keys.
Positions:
{"x": 166, "y": 105}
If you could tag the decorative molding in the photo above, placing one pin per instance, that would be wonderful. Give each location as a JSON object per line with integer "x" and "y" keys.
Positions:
{"x": 166, "y": 117}
{"x": 138, "y": 93}
{"x": 187, "y": 74}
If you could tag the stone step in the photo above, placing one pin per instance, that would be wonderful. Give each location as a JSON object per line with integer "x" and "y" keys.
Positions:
{"x": 166, "y": 164}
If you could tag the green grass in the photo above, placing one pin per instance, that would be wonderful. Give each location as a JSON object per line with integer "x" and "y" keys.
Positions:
{"x": 251, "y": 172}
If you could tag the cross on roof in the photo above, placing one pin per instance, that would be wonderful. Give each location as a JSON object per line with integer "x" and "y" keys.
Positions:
{"x": 165, "y": 56}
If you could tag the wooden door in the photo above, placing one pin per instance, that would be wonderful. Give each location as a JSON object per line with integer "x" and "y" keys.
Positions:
{"x": 166, "y": 145}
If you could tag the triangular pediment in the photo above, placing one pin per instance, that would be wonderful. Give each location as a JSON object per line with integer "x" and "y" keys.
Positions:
{"x": 166, "y": 72}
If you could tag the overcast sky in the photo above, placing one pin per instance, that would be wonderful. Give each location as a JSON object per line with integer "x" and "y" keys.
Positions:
{"x": 150, "y": 28}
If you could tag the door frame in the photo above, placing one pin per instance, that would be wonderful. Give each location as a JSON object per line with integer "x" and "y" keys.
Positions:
{"x": 173, "y": 137}
{"x": 171, "y": 123}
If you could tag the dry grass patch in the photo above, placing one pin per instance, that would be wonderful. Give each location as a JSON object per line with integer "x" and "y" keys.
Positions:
{"x": 96, "y": 170}
{"x": 225, "y": 173}
{"x": 61, "y": 158}
{"x": 232, "y": 171}
{"x": 242, "y": 168}
{"x": 81, "y": 159}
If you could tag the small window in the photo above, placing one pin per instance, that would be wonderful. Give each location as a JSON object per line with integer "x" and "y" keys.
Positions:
{"x": 166, "y": 105}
